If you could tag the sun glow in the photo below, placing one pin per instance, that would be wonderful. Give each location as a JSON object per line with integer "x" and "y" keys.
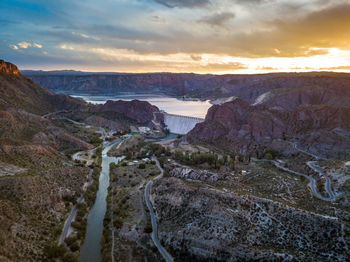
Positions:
{"x": 124, "y": 60}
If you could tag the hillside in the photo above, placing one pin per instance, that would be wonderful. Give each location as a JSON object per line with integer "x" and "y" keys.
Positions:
{"x": 39, "y": 181}
{"x": 317, "y": 117}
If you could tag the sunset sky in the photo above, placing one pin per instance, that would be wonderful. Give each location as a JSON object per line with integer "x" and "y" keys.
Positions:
{"x": 202, "y": 36}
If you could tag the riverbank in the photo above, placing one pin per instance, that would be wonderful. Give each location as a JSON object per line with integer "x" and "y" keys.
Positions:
{"x": 127, "y": 224}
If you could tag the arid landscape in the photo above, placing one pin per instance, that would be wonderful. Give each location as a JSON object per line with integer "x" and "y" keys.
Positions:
{"x": 175, "y": 130}
{"x": 254, "y": 181}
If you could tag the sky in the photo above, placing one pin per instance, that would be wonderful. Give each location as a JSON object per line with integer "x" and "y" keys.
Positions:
{"x": 200, "y": 36}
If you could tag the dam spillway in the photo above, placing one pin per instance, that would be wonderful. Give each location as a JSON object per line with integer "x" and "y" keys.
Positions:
{"x": 181, "y": 125}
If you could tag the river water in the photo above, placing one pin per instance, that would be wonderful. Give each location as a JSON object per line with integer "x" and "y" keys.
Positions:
{"x": 170, "y": 105}
{"x": 91, "y": 248}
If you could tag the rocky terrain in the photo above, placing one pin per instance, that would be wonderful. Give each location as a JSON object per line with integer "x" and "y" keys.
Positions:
{"x": 212, "y": 224}
{"x": 316, "y": 117}
{"x": 39, "y": 182}
{"x": 264, "y": 178}
{"x": 247, "y": 87}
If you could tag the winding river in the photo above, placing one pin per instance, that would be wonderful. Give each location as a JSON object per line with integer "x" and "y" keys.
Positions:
{"x": 91, "y": 248}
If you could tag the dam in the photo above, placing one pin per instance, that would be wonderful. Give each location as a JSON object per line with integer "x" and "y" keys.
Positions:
{"x": 181, "y": 125}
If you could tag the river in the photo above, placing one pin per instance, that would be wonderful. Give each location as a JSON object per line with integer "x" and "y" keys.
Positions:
{"x": 170, "y": 105}
{"x": 91, "y": 248}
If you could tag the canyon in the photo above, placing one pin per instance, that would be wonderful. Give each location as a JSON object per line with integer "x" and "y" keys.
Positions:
{"x": 264, "y": 177}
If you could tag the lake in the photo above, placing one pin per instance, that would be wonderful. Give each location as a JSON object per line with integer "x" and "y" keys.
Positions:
{"x": 170, "y": 105}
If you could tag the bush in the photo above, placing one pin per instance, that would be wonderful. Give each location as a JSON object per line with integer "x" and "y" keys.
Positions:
{"x": 70, "y": 258}
{"x": 70, "y": 240}
{"x": 268, "y": 156}
{"x": 54, "y": 251}
{"x": 74, "y": 246}
{"x": 273, "y": 152}
{"x": 148, "y": 229}
{"x": 142, "y": 166}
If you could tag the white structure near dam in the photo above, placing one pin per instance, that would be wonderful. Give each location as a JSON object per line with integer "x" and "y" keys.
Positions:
{"x": 178, "y": 124}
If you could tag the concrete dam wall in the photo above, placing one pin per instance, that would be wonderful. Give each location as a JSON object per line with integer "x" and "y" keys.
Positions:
{"x": 180, "y": 124}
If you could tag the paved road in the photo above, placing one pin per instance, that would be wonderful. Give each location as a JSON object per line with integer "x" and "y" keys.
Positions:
{"x": 155, "y": 239}
{"x": 312, "y": 184}
{"x": 328, "y": 184}
{"x": 72, "y": 214}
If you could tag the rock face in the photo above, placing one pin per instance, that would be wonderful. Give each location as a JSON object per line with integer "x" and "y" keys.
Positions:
{"x": 140, "y": 111}
{"x": 35, "y": 175}
{"x": 8, "y": 68}
{"x": 18, "y": 92}
{"x": 311, "y": 115}
{"x": 206, "y": 224}
{"x": 247, "y": 87}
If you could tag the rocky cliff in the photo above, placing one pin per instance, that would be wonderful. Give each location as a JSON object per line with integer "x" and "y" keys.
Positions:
{"x": 316, "y": 116}
{"x": 16, "y": 91}
{"x": 140, "y": 111}
{"x": 247, "y": 87}
{"x": 8, "y": 68}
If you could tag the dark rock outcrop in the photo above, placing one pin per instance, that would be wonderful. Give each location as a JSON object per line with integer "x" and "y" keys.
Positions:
{"x": 140, "y": 111}
{"x": 317, "y": 117}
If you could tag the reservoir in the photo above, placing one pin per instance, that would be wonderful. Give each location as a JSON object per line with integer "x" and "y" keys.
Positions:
{"x": 170, "y": 105}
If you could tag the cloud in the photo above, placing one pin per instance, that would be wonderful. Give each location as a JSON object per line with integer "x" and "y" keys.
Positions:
{"x": 232, "y": 66}
{"x": 196, "y": 57}
{"x": 219, "y": 19}
{"x": 346, "y": 67}
{"x": 14, "y": 47}
{"x": 24, "y": 45}
{"x": 37, "y": 45}
{"x": 266, "y": 68}
{"x": 183, "y": 3}
{"x": 80, "y": 34}
{"x": 66, "y": 47}
{"x": 159, "y": 20}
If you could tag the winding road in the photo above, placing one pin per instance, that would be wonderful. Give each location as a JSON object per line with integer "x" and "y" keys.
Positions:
{"x": 315, "y": 168}
{"x": 155, "y": 239}
{"x": 312, "y": 184}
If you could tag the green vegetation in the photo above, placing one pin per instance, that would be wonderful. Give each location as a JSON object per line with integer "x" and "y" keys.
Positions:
{"x": 200, "y": 158}
{"x": 271, "y": 153}
{"x": 95, "y": 139}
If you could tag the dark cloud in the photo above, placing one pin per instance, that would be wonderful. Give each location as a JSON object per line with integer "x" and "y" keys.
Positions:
{"x": 183, "y": 3}
{"x": 219, "y": 19}
{"x": 196, "y": 57}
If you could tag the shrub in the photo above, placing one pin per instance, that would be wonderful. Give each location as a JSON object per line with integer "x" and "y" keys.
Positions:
{"x": 148, "y": 229}
{"x": 142, "y": 166}
{"x": 54, "y": 251}
{"x": 70, "y": 258}
{"x": 74, "y": 246}
{"x": 273, "y": 152}
{"x": 268, "y": 156}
